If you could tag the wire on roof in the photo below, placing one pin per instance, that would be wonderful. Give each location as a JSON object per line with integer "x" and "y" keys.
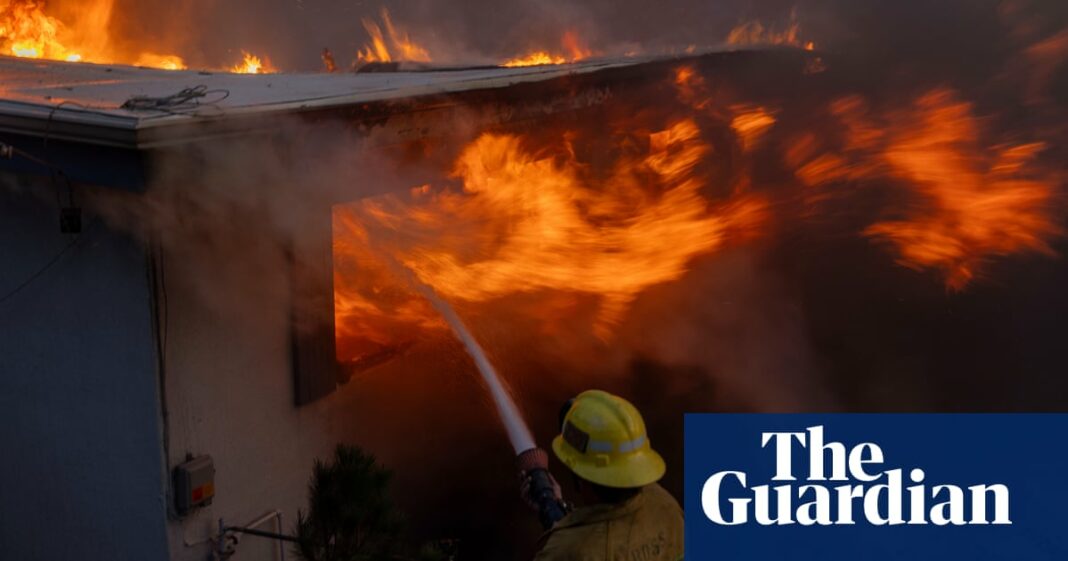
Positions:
{"x": 177, "y": 103}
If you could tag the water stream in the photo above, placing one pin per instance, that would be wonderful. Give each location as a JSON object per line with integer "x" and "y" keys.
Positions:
{"x": 518, "y": 432}
{"x": 516, "y": 427}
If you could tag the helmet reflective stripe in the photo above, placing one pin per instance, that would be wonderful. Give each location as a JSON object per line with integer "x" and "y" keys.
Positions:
{"x": 600, "y": 446}
{"x": 606, "y": 446}
{"x": 632, "y": 445}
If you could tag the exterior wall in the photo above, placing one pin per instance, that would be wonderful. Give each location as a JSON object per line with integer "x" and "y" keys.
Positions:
{"x": 80, "y": 394}
{"x": 230, "y": 314}
{"x": 81, "y": 469}
{"x": 230, "y": 388}
{"x": 79, "y": 376}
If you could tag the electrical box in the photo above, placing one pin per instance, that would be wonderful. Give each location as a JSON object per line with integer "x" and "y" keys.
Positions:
{"x": 194, "y": 484}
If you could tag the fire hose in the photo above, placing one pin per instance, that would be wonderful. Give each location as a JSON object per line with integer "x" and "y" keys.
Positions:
{"x": 534, "y": 464}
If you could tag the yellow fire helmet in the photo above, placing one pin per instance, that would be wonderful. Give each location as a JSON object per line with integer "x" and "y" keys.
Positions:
{"x": 603, "y": 440}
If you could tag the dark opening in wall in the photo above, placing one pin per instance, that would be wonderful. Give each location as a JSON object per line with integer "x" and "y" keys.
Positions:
{"x": 315, "y": 367}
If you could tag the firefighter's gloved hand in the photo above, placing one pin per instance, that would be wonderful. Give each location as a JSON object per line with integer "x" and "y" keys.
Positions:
{"x": 528, "y": 499}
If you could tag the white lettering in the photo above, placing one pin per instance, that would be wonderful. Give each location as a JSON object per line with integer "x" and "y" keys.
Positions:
{"x": 710, "y": 500}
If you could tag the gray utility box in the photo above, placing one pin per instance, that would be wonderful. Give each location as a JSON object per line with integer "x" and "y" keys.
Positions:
{"x": 194, "y": 484}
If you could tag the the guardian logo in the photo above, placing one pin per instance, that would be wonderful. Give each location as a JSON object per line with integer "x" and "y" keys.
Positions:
{"x": 858, "y": 489}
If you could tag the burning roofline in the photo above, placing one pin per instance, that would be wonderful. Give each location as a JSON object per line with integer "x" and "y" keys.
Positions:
{"x": 87, "y": 106}
{"x": 88, "y": 123}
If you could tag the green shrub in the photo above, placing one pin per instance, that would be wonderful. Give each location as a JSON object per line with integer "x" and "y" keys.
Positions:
{"x": 350, "y": 515}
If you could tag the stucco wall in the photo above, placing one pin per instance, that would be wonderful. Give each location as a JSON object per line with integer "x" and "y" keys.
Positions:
{"x": 230, "y": 385}
{"x": 81, "y": 473}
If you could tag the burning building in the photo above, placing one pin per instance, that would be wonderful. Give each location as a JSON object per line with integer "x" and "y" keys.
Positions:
{"x": 190, "y": 276}
{"x": 208, "y": 278}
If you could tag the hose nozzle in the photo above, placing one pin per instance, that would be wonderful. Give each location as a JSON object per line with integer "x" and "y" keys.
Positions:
{"x": 535, "y": 464}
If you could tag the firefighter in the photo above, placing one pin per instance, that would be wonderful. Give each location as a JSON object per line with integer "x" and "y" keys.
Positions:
{"x": 625, "y": 514}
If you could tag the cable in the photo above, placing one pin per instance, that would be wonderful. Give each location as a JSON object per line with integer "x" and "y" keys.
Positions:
{"x": 70, "y": 215}
{"x": 177, "y": 103}
{"x": 157, "y": 285}
{"x": 163, "y": 292}
{"x": 9, "y": 151}
{"x": 41, "y": 271}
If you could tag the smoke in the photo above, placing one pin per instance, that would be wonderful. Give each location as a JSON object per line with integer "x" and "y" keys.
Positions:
{"x": 234, "y": 221}
{"x": 751, "y": 328}
{"x": 955, "y": 40}
{"x": 740, "y": 326}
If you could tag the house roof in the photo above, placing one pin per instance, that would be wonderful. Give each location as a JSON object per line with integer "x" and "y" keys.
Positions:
{"x": 83, "y": 102}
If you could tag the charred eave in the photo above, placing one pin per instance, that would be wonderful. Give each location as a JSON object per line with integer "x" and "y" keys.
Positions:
{"x": 76, "y": 138}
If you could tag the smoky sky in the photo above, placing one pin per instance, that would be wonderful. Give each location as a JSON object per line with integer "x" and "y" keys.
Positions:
{"x": 945, "y": 38}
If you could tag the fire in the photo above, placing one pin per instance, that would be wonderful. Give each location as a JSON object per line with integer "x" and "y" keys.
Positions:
{"x": 755, "y": 33}
{"x": 526, "y": 223}
{"x": 165, "y": 62}
{"x": 527, "y": 218}
{"x": 252, "y": 64}
{"x": 28, "y": 30}
{"x": 537, "y": 58}
{"x": 393, "y": 45}
{"x": 751, "y": 124}
{"x": 982, "y": 203}
{"x": 966, "y": 202}
{"x": 574, "y": 50}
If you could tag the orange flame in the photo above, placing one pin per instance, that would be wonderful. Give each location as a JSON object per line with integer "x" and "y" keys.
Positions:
{"x": 537, "y": 58}
{"x": 252, "y": 64}
{"x": 525, "y": 224}
{"x": 980, "y": 205}
{"x": 393, "y": 45}
{"x": 573, "y": 48}
{"x": 750, "y": 124}
{"x": 532, "y": 221}
{"x": 755, "y": 33}
{"x": 165, "y": 62}
{"x": 26, "y": 30}
{"x": 968, "y": 203}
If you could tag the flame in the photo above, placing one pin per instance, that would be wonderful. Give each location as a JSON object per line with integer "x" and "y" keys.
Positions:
{"x": 574, "y": 50}
{"x": 328, "y": 61}
{"x": 165, "y": 62}
{"x": 27, "y": 30}
{"x": 980, "y": 204}
{"x": 966, "y": 202}
{"x": 527, "y": 219}
{"x": 393, "y": 45}
{"x": 755, "y": 33}
{"x": 527, "y": 223}
{"x": 536, "y": 58}
{"x": 1044, "y": 58}
{"x": 252, "y": 64}
{"x": 691, "y": 88}
{"x": 751, "y": 124}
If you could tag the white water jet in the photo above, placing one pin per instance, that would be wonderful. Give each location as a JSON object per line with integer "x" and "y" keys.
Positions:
{"x": 518, "y": 432}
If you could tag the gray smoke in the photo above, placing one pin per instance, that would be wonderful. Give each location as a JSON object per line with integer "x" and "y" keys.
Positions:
{"x": 950, "y": 39}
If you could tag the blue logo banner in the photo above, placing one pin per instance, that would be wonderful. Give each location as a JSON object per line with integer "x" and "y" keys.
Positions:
{"x": 876, "y": 487}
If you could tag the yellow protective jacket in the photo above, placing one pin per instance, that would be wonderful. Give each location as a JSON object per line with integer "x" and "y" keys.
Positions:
{"x": 647, "y": 527}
